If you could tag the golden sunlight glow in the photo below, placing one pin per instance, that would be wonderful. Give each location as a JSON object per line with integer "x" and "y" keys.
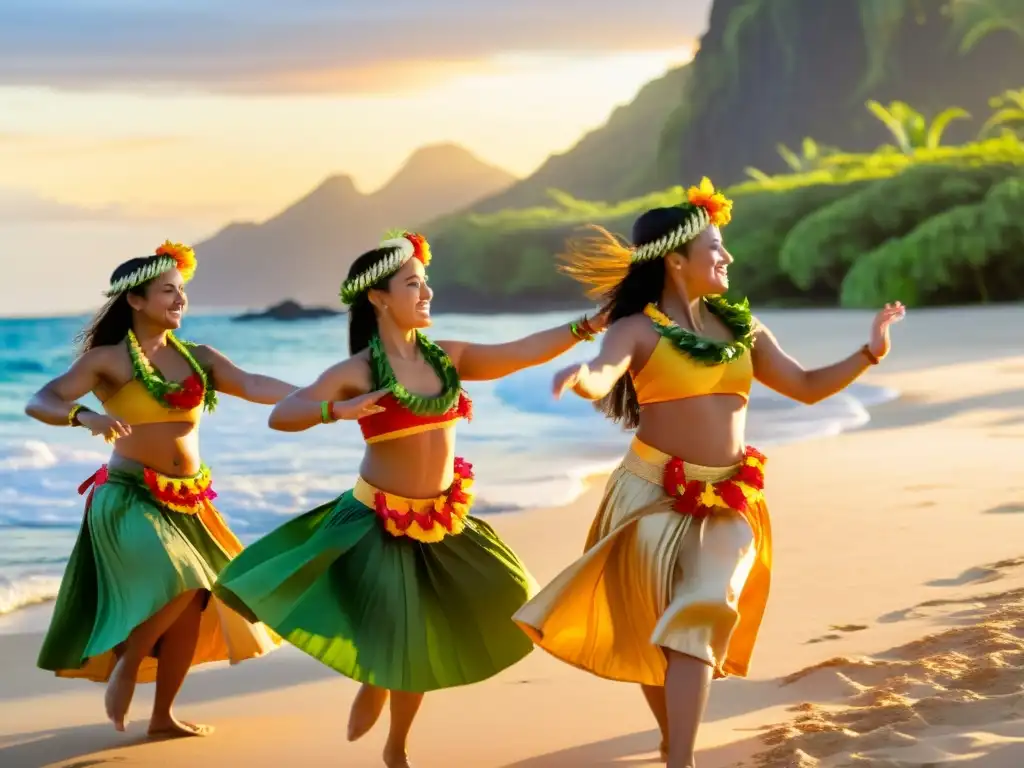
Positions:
{"x": 113, "y": 174}
{"x": 218, "y": 157}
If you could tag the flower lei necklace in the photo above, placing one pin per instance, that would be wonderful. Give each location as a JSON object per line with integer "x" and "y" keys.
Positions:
{"x": 191, "y": 393}
{"x": 736, "y": 317}
{"x": 384, "y": 376}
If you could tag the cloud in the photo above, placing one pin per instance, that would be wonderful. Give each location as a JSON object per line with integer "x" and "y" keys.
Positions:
{"x": 313, "y": 45}
{"x": 22, "y": 206}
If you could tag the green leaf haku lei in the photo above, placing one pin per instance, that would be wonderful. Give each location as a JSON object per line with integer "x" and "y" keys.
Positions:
{"x": 156, "y": 384}
{"x": 384, "y": 378}
{"x": 737, "y": 319}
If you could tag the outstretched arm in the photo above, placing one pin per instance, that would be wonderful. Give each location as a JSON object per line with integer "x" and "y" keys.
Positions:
{"x": 777, "y": 370}
{"x": 339, "y": 393}
{"x": 54, "y": 403}
{"x": 232, "y": 380}
{"x": 595, "y": 379}
{"x": 484, "y": 362}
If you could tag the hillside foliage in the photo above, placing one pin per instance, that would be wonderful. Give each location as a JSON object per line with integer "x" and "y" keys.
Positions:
{"x": 923, "y": 224}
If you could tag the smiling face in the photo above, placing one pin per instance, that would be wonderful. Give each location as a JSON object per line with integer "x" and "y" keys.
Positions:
{"x": 704, "y": 268}
{"x": 163, "y": 303}
{"x": 406, "y": 300}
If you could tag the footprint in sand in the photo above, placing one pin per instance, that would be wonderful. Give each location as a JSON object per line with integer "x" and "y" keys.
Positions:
{"x": 980, "y": 575}
{"x": 906, "y": 707}
{"x": 836, "y": 632}
{"x": 1006, "y": 509}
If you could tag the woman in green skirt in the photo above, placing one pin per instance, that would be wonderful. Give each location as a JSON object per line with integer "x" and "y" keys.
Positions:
{"x": 394, "y": 584}
{"x": 134, "y": 604}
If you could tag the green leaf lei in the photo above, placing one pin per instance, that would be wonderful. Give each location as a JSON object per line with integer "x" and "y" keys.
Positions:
{"x": 384, "y": 378}
{"x": 737, "y": 319}
{"x": 156, "y": 384}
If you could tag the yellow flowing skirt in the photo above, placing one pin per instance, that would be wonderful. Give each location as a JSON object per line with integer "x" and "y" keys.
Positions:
{"x": 652, "y": 578}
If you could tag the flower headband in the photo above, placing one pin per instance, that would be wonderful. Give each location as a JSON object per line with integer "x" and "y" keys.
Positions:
{"x": 403, "y": 246}
{"x": 602, "y": 261}
{"x": 709, "y": 207}
{"x": 168, "y": 256}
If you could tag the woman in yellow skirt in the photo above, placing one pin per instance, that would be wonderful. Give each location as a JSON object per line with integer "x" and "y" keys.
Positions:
{"x": 672, "y": 585}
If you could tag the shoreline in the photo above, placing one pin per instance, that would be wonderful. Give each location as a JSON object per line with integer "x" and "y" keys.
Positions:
{"x": 850, "y": 411}
{"x": 910, "y": 544}
{"x": 546, "y": 306}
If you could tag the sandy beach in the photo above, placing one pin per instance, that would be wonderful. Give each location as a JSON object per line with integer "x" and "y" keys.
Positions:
{"x": 894, "y": 634}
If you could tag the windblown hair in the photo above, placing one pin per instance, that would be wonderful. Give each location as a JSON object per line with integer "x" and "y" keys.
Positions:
{"x": 110, "y": 325}
{"x": 602, "y": 262}
{"x": 362, "y": 320}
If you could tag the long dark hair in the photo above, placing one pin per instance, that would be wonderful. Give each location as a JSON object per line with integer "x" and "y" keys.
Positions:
{"x": 362, "y": 320}
{"x": 110, "y": 325}
{"x": 643, "y": 284}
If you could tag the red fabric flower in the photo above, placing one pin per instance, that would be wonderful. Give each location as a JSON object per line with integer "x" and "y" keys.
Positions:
{"x": 675, "y": 476}
{"x": 189, "y": 396}
{"x": 465, "y": 407}
{"x": 752, "y": 476}
{"x": 688, "y": 494}
{"x": 732, "y": 495}
{"x": 463, "y": 468}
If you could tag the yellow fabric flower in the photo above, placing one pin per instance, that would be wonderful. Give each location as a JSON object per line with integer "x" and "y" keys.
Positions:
{"x": 184, "y": 256}
{"x": 718, "y": 206}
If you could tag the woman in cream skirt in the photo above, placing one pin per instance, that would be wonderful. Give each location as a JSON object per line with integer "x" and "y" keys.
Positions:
{"x": 673, "y": 582}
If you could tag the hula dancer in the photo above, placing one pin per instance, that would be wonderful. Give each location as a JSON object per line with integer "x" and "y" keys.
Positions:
{"x": 394, "y": 584}
{"x": 134, "y": 604}
{"x": 674, "y": 578}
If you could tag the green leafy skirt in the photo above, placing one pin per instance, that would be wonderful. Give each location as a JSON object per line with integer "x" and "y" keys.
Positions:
{"x": 369, "y": 600}
{"x": 134, "y": 554}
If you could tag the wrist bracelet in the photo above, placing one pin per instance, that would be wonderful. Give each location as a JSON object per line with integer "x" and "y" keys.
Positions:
{"x": 866, "y": 351}
{"x": 581, "y": 330}
{"x": 73, "y": 415}
{"x": 326, "y": 412}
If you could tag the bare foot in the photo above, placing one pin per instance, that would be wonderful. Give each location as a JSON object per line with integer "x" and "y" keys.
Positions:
{"x": 366, "y": 709}
{"x": 396, "y": 758}
{"x": 172, "y": 728}
{"x": 118, "y": 696}
{"x": 663, "y": 750}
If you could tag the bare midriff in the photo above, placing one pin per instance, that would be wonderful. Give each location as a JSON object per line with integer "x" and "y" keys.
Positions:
{"x": 707, "y": 429}
{"x": 417, "y": 466}
{"x": 171, "y": 448}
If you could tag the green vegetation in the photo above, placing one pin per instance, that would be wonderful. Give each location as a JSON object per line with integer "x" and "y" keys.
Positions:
{"x": 1009, "y": 113}
{"x": 919, "y": 222}
{"x": 911, "y": 129}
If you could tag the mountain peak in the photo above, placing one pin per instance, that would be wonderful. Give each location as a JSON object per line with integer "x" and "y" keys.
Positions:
{"x": 339, "y": 187}
{"x": 427, "y": 164}
{"x": 291, "y": 253}
{"x": 442, "y": 152}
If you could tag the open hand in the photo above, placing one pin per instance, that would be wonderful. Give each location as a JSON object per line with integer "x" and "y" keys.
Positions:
{"x": 101, "y": 425}
{"x": 358, "y": 407}
{"x": 889, "y": 314}
{"x": 568, "y": 378}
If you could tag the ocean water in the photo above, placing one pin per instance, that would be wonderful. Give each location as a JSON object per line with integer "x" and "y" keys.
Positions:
{"x": 527, "y": 448}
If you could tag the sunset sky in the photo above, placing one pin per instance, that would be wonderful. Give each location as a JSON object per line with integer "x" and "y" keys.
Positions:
{"x": 125, "y": 122}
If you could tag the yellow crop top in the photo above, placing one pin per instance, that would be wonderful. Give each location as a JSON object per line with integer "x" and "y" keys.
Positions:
{"x": 133, "y": 405}
{"x": 672, "y": 375}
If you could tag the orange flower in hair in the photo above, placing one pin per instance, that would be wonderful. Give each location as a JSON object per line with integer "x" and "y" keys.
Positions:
{"x": 718, "y": 206}
{"x": 184, "y": 257}
{"x": 421, "y": 248}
